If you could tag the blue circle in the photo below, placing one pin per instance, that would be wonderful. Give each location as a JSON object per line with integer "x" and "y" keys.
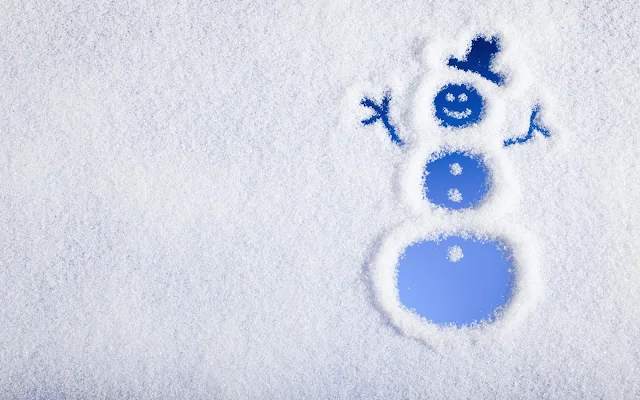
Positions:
{"x": 458, "y": 105}
{"x": 456, "y": 180}
{"x": 456, "y": 281}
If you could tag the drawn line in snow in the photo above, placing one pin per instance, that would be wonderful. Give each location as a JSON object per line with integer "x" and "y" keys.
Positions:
{"x": 381, "y": 112}
{"x": 533, "y": 126}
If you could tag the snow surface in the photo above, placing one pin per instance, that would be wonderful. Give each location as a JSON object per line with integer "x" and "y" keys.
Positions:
{"x": 455, "y": 169}
{"x": 454, "y": 195}
{"x": 192, "y": 208}
{"x": 454, "y": 253}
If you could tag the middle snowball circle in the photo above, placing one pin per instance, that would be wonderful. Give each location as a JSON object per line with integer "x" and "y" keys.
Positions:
{"x": 456, "y": 180}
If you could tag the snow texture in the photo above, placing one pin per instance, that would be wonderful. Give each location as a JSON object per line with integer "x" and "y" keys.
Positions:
{"x": 454, "y": 195}
{"x": 455, "y": 169}
{"x": 454, "y": 253}
{"x": 192, "y": 208}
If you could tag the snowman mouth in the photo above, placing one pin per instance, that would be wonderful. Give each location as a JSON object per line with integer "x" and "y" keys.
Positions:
{"x": 457, "y": 114}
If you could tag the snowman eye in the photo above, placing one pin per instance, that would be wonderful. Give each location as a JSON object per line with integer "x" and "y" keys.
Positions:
{"x": 450, "y": 97}
{"x": 463, "y": 97}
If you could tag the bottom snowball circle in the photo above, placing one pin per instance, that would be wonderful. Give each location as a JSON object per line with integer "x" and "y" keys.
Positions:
{"x": 455, "y": 280}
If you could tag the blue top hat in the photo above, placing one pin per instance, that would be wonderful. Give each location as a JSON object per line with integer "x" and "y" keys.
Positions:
{"x": 479, "y": 59}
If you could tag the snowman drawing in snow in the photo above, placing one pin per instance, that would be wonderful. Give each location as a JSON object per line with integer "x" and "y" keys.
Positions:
{"x": 462, "y": 259}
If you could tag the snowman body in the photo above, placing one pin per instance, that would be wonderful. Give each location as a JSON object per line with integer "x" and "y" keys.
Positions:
{"x": 463, "y": 200}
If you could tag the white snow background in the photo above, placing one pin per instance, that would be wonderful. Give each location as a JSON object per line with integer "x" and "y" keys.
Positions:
{"x": 190, "y": 207}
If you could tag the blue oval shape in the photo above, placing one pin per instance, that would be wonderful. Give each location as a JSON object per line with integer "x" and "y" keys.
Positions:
{"x": 456, "y": 281}
{"x": 458, "y": 105}
{"x": 456, "y": 180}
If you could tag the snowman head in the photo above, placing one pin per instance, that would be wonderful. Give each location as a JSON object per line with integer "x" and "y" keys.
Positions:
{"x": 458, "y": 105}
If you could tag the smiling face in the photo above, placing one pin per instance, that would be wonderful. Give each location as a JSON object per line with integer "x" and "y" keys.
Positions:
{"x": 458, "y": 105}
